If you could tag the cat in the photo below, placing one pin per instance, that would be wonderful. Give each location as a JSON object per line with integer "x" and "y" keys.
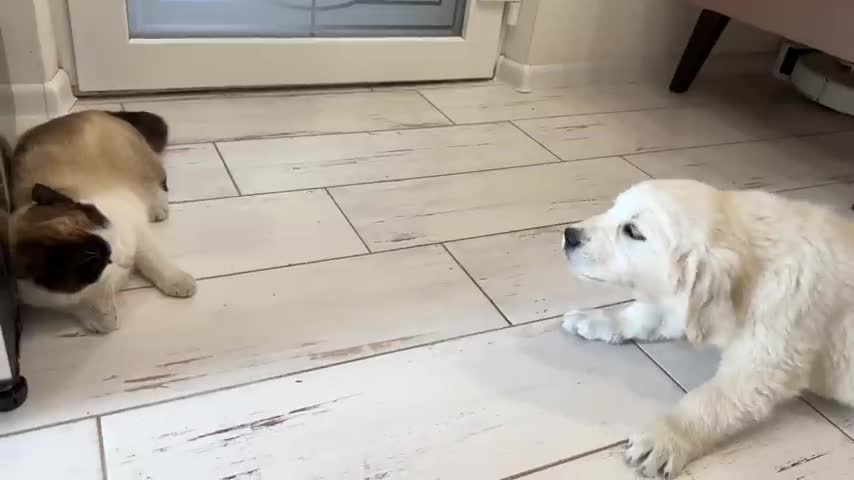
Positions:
{"x": 84, "y": 188}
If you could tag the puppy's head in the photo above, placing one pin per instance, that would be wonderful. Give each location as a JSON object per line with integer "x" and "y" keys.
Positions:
{"x": 667, "y": 241}
{"x": 56, "y": 242}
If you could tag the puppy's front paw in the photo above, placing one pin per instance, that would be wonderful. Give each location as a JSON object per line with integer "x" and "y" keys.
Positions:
{"x": 592, "y": 325}
{"x": 159, "y": 210}
{"x": 659, "y": 453}
{"x": 178, "y": 284}
{"x": 159, "y": 213}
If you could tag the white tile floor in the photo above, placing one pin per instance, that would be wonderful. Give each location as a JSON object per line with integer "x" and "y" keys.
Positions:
{"x": 379, "y": 286}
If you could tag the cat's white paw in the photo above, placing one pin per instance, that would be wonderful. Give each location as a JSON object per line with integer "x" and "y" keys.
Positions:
{"x": 178, "y": 284}
{"x": 592, "y": 325}
{"x": 102, "y": 319}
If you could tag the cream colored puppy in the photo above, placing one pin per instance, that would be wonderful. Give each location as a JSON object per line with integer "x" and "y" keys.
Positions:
{"x": 767, "y": 280}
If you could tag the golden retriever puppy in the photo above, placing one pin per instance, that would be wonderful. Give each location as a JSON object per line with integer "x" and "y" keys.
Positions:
{"x": 767, "y": 280}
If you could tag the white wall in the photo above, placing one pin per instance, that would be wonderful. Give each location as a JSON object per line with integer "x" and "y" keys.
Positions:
{"x": 28, "y": 51}
{"x": 32, "y": 88}
{"x": 592, "y": 33}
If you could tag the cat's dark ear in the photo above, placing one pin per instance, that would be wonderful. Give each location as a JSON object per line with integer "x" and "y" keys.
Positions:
{"x": 44, "y": 195}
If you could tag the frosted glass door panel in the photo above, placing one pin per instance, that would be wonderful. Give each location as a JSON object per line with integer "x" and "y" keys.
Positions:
{"x": 156, "y": 45}
{"x": 294, "y": 18}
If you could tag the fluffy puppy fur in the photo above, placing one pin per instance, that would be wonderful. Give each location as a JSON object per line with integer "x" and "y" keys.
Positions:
{"x": 84, "y": 188}
{"x": 767, "y": 280}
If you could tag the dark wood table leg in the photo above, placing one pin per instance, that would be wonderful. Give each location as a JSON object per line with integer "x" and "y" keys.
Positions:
{"x": 708, "y": 29}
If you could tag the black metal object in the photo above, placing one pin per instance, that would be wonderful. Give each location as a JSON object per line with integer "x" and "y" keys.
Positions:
{"x": 14, "y": 395}
{"x": 706, "y": 33}
{"x": 13, "y": 386}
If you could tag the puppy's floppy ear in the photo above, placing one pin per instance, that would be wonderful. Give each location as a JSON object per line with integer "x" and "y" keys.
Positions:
{"x": 704, "y": 287}
{"x": 44, "y": 195}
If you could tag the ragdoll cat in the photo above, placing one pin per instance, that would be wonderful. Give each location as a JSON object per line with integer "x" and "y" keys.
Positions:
{"x": 84, "y": 189}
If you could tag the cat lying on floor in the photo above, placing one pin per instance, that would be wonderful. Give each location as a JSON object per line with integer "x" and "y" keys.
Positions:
{"x": 84, "y": 188}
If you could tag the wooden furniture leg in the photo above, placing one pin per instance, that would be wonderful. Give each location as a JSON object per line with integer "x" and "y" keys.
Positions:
{"x": 706, "y": 32}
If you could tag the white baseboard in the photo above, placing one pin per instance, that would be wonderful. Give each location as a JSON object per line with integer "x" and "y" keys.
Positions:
{"x": 26, "y": 105}
{"x": 526, "y": 78}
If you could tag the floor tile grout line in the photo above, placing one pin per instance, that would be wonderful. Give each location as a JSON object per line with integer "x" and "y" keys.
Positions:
{"x": 685, "y": 390}
{"x": 660, "y": 366}
{"x": 419, "y": 127}
{"x": 778, "y": 191}
{"x": 364, "y": 254}
{"x": 772, "y": 138}
{"x": 687, "y": 104}
{"x": 428, "y": 126}
{"x": 453, "y": 240}
{"x": 266, "y": 93}
{"x": 349, "y": 222}
{"x": 541, "y": 144}
{"x": 295, "y": 373}
{"x": 227, "y": 170}
{"x": 597, "y": 307}
{"x": 442, "y": 112}
{"x": 825, "y": 417}
{"x": 477, "y": 285}
{"x": 623, "y": 157}
{"x": 225, "y": 94}
{"x": 562, "y": 461}
{"x": 101, "y": 447}
{"x": 403, "y": 179}
{"x": 818, "y": 185}
{"x": 342, "y": 89}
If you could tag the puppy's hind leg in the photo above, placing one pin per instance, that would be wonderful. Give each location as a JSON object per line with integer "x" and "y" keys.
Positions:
{"x": 153, "y": 265}
{"x": 639, "y": 321}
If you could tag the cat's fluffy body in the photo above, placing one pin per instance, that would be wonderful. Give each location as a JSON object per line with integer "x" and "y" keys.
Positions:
{"x": 85, "y": 188}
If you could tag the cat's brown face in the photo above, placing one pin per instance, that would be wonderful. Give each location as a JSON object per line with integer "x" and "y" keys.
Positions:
{"x": 55, "y": 244}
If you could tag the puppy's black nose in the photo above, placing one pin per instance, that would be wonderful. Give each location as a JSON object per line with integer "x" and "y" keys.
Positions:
{"x": 572, "y": 237}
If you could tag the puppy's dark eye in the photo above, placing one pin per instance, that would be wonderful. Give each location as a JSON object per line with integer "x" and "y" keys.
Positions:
{"x": 631, "y": 230}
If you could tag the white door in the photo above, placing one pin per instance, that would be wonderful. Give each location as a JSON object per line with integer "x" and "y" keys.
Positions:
{"x": 181, "y": 44}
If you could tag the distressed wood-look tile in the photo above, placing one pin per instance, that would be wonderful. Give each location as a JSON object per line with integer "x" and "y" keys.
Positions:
{"x": 434, "y": 85}
{"x": 768, "y": 165}
{"x": 222, "y": 118}
{"x": 195, "y": 172}
{"x": 412, "y": 212}
{"x": 231, "y": 235}
{"x": 796, "y": 444}
{"x": 841, "y": 415}
{"x": 500, "y": 102}
{"x": 278, "y": 164}
{"x": 689, "y": 366}
{"x": 600, "y": 135}
{"x": 69, "y": 451}
{"x": 244, "y": 328}
{"x": 83, "y": 105}
{"x": 239, "y": 93}
{"x": 526, "y": 275}
{"x": 839, "y": 197}
{"x": 485, "y": 406}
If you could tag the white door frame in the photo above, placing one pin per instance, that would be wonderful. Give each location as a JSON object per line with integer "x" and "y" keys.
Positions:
{"x": 108, "y": 60}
